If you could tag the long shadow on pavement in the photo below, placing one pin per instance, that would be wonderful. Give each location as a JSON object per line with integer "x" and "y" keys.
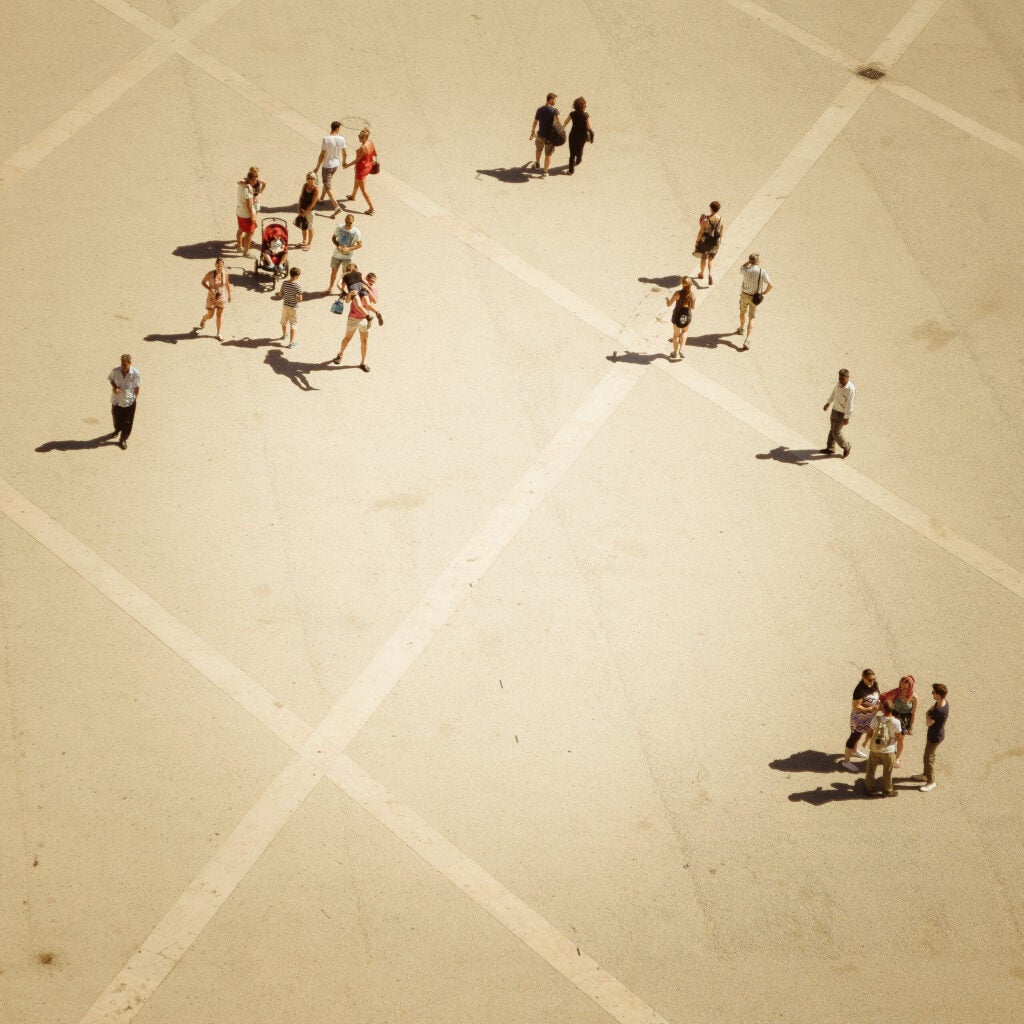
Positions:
{"x": 807, "y": 761}
{"x": 713, "y": 341}
{"x": 510, "y": 175}
{"x": 298, "y": 373}
{"x": 794, "y": 456}
{"x": 838, "y": 791}
{"x": 639, "y": 358}
{"x": 72, "y": 445}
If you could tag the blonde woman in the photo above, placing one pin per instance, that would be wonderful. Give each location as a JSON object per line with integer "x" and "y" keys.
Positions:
{"x": 366, "y": 157}
{"x": 218, "y": 295}
{"x": 682, "y": 315}
{"x": 308, "y": 198}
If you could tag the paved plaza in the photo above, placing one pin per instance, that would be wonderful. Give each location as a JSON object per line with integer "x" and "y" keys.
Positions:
{"x": 507, "y": 683}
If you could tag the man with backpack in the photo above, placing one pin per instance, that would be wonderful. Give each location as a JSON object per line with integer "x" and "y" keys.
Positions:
{"x": 885, "y": 727}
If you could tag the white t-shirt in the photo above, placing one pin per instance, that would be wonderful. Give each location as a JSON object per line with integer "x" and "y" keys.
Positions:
{"x": 129, "y": 383}
{"x": 244, "y": 195}
{"x": 332, "y": 146}
{"x": 895, "y": 728}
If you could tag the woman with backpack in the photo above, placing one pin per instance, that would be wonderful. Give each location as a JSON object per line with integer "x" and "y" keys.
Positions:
{"x": 682, "y": 315}
{"x": 709, "y": 238}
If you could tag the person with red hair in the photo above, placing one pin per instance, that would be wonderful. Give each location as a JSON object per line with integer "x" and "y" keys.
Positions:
{"x": 904, "y": 707}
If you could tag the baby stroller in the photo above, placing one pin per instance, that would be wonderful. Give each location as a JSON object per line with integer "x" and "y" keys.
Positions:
{"x": 273, "y": 257}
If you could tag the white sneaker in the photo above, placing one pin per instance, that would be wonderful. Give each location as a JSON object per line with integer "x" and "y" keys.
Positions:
{"x": 927, "y": 787}
{"x": 860, "y": 755}
{"x": 849, "y": 766}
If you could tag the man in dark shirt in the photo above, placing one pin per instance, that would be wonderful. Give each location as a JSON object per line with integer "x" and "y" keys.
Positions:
{"x": 936, "y": 719}
{"x": 543, "y": 121}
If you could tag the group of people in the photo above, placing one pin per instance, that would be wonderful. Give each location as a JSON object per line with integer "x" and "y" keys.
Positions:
{"x": 881, "y": 722}
{"x": 358, "y": 293}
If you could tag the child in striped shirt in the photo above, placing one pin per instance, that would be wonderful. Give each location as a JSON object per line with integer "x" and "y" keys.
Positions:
{"x": 291, "y": 292}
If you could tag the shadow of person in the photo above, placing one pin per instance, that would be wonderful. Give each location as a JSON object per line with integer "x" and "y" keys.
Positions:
{"x": 713, "y": 341}
{"x": 807, "y": 761}
{"x": 173, "y": 339}
{"x": 298, "y": 373}
{"x": 204, "y": 250}
{"x": 838, "y": 791}
{"x": 72, "y": 445}
{"x": 509, "y": 175}
{"x": 248, "y": 342}
{"x": 794, "y": 456}
{"x": 672, "y": 281}
{"x": 639, "y": 358}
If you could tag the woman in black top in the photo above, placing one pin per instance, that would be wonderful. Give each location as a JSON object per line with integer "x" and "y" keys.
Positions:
{"x": 580, "y": 134}
{"x": 308, "y": 198}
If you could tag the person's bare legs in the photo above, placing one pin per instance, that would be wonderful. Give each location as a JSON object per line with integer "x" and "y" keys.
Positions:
{"x": 360, "y": 186}
{"x": 703, "y": 261}
{"x": 675, "y": 342}
{"x": 540, "y": 149}
{"x": 682, "y": 341}
{"x": 344, "y": 345}
{"x": 547, "y": 158}
{"x": 220, "y": 313}
{"x": 307, "y": 235}
{"x": 711, "y": 260}
{"x": 334, "y": 277}
{"x": 364, "y": 337}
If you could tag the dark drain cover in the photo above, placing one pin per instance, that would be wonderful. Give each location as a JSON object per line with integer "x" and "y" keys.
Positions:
{"x": 873, "y": 73}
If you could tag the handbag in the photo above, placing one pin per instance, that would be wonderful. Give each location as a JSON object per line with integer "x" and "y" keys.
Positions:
{"x": 758, "y": 297}
{"x": 338, "y": 305}
{"x": 375, "y": 169}
{"x": 301, "y": 223}
{"x": 556, "y": 136}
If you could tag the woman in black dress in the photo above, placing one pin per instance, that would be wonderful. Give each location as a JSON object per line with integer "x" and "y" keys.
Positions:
{"x": 580, "y": 134}
{"x": 682, "y": 316}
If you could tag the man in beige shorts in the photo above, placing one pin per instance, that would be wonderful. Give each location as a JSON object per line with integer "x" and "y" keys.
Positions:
{"x": 755, "y": 281}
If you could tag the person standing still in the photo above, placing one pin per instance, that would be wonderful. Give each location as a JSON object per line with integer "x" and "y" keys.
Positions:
{"x": 936, "y": 719}
{"x": 332, "y": 155}
{"x": 580, "y": 134}
{"x": 245, "y": 211}
{"x": 291, "y": 293}
{"x": 308, "y": 198}
{"x": 125, "y": 385}
{"x": 755, "y": 282}
{"x": 841, "y": 401}
{"x": 346, "y": 240}
{"x": 885, "y": 728}
{"x": 543, "y": 121}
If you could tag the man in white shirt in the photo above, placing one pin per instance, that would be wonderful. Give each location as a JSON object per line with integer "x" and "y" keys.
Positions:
{"x": 885, "y": 727}
{"x": 346, "y": 240}
{"x": 125, "y": 385}
{"x": 332, "y": 155}
{"x": 841, "y": 401}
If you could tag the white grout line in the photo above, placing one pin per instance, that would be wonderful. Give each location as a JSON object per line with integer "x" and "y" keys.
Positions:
{"x": 227, "y": 677}
{"x": 841, "y": 472}
{"x": 905, "y": 92}
{"x": 196, "y": 907}
{"x": 907, "y": 29}
{"x": 522, "y": 920}
{"x": 109, "y": 92}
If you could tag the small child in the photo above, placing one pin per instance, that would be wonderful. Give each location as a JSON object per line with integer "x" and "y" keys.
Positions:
{"x": 291, "y": 292}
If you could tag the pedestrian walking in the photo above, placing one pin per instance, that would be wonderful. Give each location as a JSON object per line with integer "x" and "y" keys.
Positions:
{"x": 291, "y": 295}
{"x": 543, "y": 121}
{"x": 755, "y": 285}
{"x": 682, "y": 316}
{"x": 581, "y": 132}
{"x": 245, "y": 211}
{"x": 125, "y": 385}
{"x": 882, "y": 737}
{"x": 841, "y": 401}
{"x": 218, "y": 294}
{"x": 359, "y": 315}
{"x": 366, "y": 164}
{"x": 347, "y": 239}
{"x": 936, "y": 719}
{"x": 866, "y": 699}
{"x": 709, "y": 238}
{"x": 904, "y": 706}
{"x": 332, "y": 156}
{"x": 308, "y": 198}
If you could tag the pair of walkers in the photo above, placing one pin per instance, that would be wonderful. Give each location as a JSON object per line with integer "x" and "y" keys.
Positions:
{"x": 334, "y": 154}
{"x": 879, "y": 724}
{"x": 549, "y": 131}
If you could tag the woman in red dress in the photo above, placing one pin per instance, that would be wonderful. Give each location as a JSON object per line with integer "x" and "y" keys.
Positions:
{"x": 366, "y": 157}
